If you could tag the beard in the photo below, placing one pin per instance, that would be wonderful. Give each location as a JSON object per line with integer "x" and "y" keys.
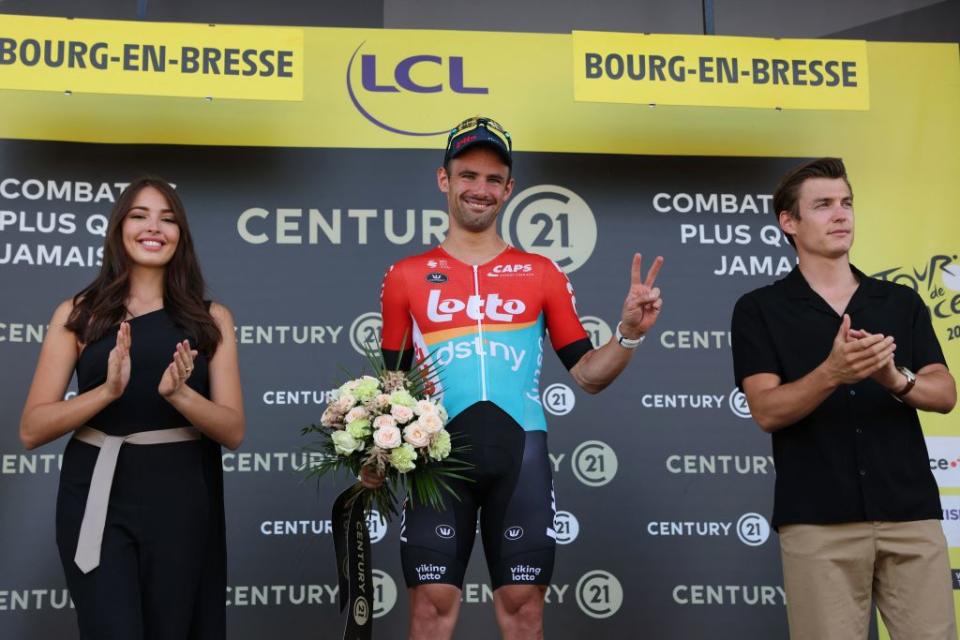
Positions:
{"x": 472, "y": 221}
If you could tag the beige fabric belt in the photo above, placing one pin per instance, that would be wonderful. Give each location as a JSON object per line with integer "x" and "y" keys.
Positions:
{"x": 95, "y": 512}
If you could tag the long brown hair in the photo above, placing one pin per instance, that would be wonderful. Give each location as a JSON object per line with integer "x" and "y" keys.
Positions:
{"x": 102, "y": 304}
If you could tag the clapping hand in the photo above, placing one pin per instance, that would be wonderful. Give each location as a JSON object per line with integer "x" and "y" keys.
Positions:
{"x": 176, "y": 374}
{"x": 887, "y": 374}
{"x": 857, "y": 355}
{"x": 118, "y": 362}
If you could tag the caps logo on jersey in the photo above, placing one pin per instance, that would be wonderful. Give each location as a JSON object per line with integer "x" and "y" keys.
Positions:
{"x": 436, "y": 278}
{"x": 510, "y": 270}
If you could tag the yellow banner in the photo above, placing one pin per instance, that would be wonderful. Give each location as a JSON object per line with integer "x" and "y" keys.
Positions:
{"x": 155, "y": 59}
{"x": 718, "y": 71}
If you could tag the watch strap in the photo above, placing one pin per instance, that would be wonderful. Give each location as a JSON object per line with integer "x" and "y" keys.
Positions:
{"x": 628, "y": 343}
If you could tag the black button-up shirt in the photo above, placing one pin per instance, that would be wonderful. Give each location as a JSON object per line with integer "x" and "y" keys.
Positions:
{"x": 859, "y": 456}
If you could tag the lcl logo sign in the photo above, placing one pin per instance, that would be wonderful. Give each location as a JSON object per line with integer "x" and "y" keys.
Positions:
{"x": 419, "y": 74}
{"x": 402, "y": 75}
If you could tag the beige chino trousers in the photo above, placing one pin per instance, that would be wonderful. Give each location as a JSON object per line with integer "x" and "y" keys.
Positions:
{"x": 832, "y": 572}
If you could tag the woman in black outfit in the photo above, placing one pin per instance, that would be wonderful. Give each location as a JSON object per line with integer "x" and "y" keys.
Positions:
{"x": 140, "y": 523}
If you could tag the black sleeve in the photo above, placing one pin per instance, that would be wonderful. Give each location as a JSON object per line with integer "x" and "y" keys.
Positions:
{"x": 571, "y": 354}
{"x": 926, "y": 347}
{"x": 401, "y": 360}
{"x": 753, "y": 347}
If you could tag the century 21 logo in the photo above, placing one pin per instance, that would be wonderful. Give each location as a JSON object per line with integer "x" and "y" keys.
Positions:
{"x": 420, "y": 74}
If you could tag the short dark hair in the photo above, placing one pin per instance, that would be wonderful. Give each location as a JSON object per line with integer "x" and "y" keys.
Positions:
{"x": 447, "y": 162}
{"x": 787, "y": 194}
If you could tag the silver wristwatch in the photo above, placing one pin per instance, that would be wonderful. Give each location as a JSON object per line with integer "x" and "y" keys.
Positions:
{"x": 911, "y": 380}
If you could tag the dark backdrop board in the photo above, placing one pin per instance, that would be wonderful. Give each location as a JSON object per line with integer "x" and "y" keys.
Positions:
{"x": 663, "y": 482}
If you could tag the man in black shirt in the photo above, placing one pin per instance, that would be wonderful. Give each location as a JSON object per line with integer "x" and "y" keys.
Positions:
{"x": 835, "y": 365}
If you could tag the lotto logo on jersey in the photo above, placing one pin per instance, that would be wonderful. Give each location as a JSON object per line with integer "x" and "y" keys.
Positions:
{"x": 510, "y": 270}
{"x": 492, "y": 307}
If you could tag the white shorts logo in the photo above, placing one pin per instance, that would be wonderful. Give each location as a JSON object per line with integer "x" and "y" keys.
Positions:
{"x": 552, "y": 221}
{"x": 559, "y": 399}
{"x": 513, "y": 533}
{"x": 366, "y": 330}
{"x": 599, "y": 594}
{"x": 445, "y": 531}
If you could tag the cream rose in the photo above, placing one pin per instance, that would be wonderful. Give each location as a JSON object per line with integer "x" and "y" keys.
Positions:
{"x": 430, "y": 422}
{"x": 401, "y": 413}
{"x": 384, "y": 421}
{"x": 345, "y": 402}
{"x": 387, "y": 437}
{"x": 424, "y": 407}
{"x": 381, "y": 401}
{"x": 331, "y": 418}
{"x": 357, "y": 413}
{"x": 416, "y": 435}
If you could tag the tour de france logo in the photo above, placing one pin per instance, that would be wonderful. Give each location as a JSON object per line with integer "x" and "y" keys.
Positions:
{"x": 552, "y": 221}
{"x": 599, "y": 594}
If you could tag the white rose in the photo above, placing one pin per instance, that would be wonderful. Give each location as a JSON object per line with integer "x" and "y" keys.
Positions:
{"x": 416, "y": 435}
{"x": 382, "y": 401}
{"x": 387, "y": 437}
{"x": 424, "y": 407}
{"x": 430, "y": 422}
{"x": 357, "y": 413}
{"x": 384, "y": 421}
{"x": 344, "y": 443}
{"x": 401, "y": 413}
{"x": 345, "y": 402}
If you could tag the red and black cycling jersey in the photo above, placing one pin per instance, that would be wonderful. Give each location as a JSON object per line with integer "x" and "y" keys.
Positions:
{"x": 483, "y": 326}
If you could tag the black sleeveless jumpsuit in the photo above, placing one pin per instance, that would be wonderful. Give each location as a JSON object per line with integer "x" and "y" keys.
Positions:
{"x": 162, "y": 572}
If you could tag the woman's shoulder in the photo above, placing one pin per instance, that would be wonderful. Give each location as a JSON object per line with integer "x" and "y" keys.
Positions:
{"x": 220, "y": 312}
{"x": 63, "y": 311}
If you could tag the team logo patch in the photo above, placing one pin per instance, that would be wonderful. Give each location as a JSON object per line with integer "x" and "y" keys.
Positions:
{"x": 513, "y": 533}
{"x": 445, "y": 531}
{"x": 436, "y": 278}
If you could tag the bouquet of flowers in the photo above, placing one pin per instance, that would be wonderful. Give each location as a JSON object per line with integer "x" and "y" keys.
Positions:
{"x": 389, "y": 422}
